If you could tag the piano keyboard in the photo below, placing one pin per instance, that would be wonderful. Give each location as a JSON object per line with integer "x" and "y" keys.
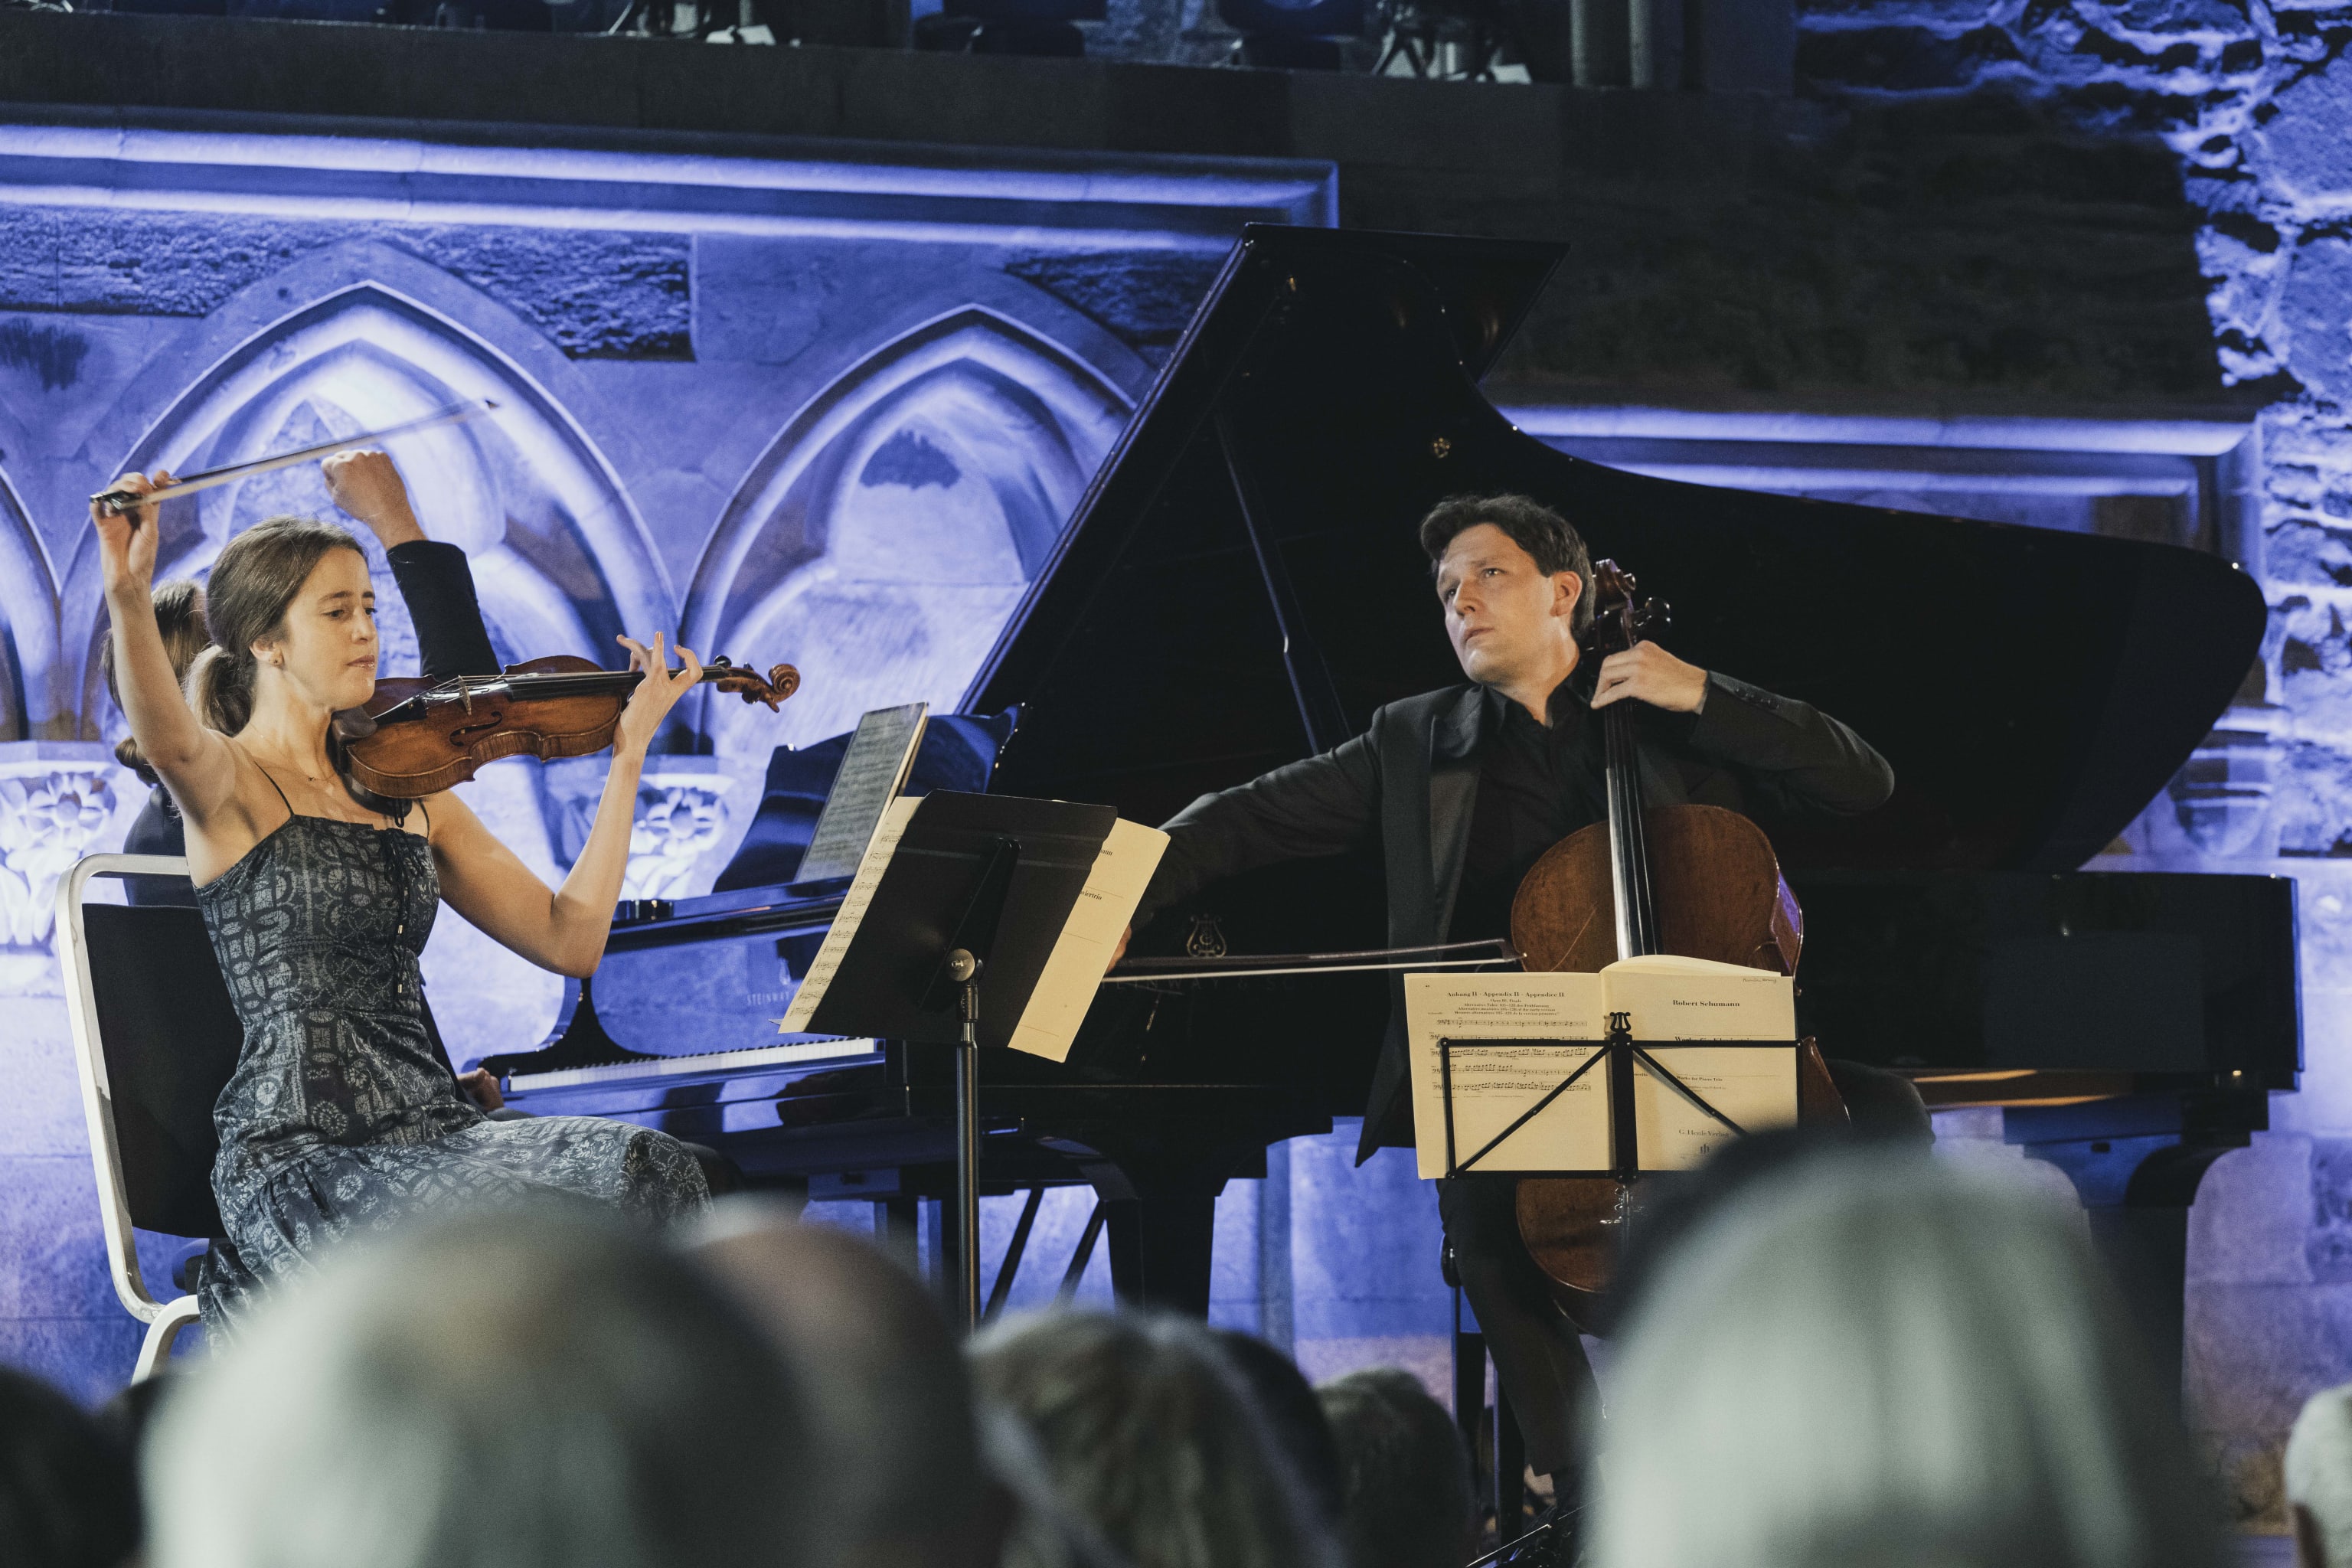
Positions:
{"x": 791, "y": 1053}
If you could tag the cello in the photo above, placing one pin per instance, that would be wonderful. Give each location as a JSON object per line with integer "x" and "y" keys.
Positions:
{"x": 1699, "y": 881}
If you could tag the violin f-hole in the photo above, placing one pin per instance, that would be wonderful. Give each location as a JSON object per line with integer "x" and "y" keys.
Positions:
{"x": 464, "y": 736}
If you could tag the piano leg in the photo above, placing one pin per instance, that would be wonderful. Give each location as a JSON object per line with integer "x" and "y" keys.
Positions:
{"x": 1160, "y": 1195}
{"x": 897, "y": 1230}
{"x": 2136, "y": 1165}
{"x": 1159, "y": 1250}
{"x": 1158, "y": 1184}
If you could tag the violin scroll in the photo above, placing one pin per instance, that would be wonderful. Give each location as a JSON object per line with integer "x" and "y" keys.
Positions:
{"x": 781, "y": 681}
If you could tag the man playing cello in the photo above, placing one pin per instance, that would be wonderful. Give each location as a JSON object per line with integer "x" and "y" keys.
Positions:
{"x": 1464, "y": 788}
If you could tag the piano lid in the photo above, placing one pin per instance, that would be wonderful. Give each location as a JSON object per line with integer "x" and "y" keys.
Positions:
{"x": 1241, "y": 585}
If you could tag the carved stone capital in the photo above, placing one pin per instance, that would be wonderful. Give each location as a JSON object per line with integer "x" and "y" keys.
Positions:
{"x": 57, "y": 799}
{"x": 2223, "y": 796}
{"x": 681, "y": 812}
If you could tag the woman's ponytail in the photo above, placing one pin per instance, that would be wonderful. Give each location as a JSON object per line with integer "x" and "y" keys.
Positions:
{"x": 220, "y": 688}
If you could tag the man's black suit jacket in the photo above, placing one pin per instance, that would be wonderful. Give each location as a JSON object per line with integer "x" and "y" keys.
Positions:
{"x": 1413, "y": 778}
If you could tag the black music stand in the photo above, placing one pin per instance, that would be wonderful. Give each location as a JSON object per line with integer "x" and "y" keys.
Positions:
{"x": 1620, "y": 1052}
{"x": 979, "y": 887}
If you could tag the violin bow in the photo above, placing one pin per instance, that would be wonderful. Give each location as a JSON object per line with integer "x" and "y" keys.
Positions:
{"x": 120, "y": 502}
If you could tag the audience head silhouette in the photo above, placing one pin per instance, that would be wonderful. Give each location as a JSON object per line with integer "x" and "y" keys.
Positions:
{"x": 2319, "y": 1480}
{"x": 67, "y": 1496}
{"x": 884, "y": 1380}
{"x": 536, "y": 1388}
{"x": 1149, "y": 1436}
{"x": 1293, "y": 1417}
{"x": 1869, "y": 1360}
{"x": 1407, "y": 1501}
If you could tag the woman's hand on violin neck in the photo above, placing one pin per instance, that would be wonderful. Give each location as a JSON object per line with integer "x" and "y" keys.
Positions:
{"x": 656, "y": 695}
{"x": 1648, "y": 673}
{"x": 126, "y": 541}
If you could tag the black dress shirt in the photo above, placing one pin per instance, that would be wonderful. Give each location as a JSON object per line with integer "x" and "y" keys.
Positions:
{"x": 1537, "y": 784}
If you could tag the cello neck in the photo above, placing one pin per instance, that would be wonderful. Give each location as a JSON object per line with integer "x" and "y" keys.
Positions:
{"x": 1619, "y": 622}
{"x": 1629, "y": 850}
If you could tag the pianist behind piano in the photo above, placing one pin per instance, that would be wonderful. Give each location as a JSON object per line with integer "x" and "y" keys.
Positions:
{"x": 1464, "y": 788}
{"x": 340, "y": 1116}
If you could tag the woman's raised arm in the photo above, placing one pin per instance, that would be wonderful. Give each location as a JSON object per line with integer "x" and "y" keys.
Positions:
{"x": 194, "y": 761}
{"x": 486, "y": 882}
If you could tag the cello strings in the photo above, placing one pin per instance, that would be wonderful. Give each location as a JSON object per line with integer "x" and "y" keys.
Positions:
{"x": 1628, "y": 829}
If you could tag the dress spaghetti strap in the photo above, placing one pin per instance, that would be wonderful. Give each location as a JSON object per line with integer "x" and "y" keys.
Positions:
{"x": 397, "y": 810}
{"x": 290, "y": 812}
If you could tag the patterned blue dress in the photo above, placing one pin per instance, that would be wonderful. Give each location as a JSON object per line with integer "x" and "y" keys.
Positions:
{"x": 342, "y": 1118}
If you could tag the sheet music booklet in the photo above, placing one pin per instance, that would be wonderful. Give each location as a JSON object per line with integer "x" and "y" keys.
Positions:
{"x": 1515, "y": 1038}
{"x": 1066, "y": 987}
{"x": 873, "y": 771}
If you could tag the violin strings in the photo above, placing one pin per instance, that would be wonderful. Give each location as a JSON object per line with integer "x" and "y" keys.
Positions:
{"x": 555, "y": 684}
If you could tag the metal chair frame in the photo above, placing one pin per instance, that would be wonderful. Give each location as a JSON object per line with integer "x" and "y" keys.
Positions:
{"x": 164, "y": 1319}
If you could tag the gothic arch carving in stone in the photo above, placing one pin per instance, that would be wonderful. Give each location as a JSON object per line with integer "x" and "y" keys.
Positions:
{"x": 32, "y": 684}
{"x": 884, "y": 536}
{"x": 559, "y": 556}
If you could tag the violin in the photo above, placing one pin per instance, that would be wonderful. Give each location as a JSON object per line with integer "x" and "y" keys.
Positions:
{"x": 416, "y": 737}
{"x": 1699, "y": 881}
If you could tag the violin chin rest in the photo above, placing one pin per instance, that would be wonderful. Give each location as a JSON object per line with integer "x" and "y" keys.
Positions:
{"x": 354, "y": 724}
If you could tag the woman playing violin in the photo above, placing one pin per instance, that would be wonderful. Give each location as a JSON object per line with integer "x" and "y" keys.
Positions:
{"x": 339, "y": 1116}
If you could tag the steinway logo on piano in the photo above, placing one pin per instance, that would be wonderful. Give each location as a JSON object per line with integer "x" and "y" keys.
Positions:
{"x": 781, "y": 996}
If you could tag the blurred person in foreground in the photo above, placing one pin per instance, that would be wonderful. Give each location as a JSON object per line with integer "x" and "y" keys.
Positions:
{"x": 536, "y": 1388}
{"x": 2319, "y": 1480}
{"x": 1407, "y": 1498}
{"x": 1676, "y": 1204}
{"x": 1872, "y": 1360}
{"x": 1293, "y": 1414}
{"x": 883, "y": 1377}
{"x": 67, "y": 1499}
{"x": 1147, "y": 1434}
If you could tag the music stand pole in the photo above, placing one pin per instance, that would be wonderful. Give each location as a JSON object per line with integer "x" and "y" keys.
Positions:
{"x": 964, "y": 970}
{"x": 974, "y": 882}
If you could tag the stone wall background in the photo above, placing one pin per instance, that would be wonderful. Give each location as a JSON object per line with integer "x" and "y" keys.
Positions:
{"x": 2253, "y": 103}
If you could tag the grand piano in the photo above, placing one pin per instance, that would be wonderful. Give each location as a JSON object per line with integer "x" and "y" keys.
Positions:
{"x": 1241, "y": 587}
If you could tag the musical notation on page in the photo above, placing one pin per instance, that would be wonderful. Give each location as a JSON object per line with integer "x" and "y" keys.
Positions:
{"x": 853, "y": 905}
{"x": 1049, "y": 1025}
{"x": 1516, "y": 1037}
{"x": 1561, "y": 1018}
{"x": 874, "y": 769}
